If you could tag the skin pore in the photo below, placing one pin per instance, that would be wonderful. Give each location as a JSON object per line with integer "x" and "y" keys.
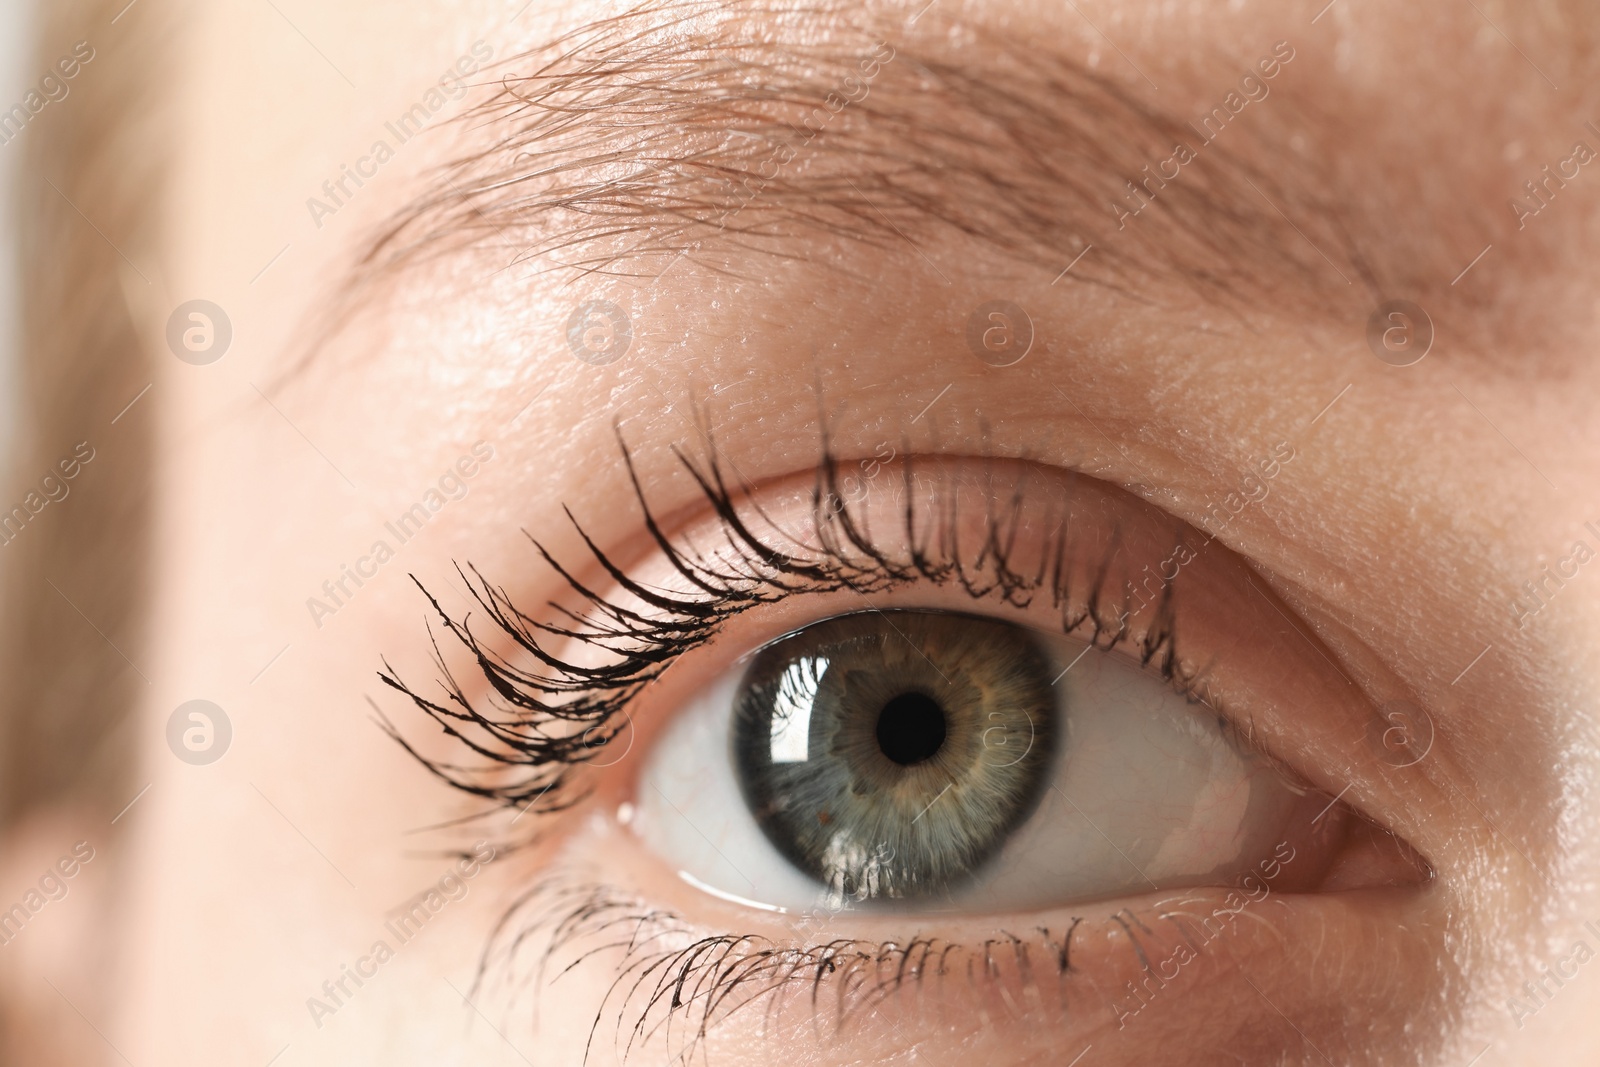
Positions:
{"x": 420, "y": 329}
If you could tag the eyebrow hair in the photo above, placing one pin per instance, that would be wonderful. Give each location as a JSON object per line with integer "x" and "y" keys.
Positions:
{"x": 682, "y": 129}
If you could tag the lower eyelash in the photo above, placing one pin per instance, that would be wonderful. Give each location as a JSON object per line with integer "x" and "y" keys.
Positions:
{"x": 542, "y": 722}
{"x": 704, "y": 980}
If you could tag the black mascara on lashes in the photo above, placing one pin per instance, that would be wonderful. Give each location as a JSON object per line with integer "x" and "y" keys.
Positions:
{"x": 540, "y": 723}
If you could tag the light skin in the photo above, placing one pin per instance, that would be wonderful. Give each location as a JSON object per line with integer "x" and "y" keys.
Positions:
{"x": 1398, "y": 541}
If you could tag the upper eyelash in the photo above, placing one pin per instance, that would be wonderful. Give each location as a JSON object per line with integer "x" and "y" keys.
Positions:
{"x": 541, "y": 722}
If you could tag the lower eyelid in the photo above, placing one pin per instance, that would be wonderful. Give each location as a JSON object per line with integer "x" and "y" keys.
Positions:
{"x": 1187, "y": 977}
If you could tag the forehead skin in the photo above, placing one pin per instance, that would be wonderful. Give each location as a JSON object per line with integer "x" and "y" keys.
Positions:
{"x": 1419, "y": 503}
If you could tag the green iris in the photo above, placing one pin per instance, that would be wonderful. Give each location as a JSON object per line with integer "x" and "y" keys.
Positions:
{"x": 889, "y": 754}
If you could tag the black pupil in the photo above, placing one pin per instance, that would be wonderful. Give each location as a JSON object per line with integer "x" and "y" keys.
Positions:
{"x": 911, "y": 728}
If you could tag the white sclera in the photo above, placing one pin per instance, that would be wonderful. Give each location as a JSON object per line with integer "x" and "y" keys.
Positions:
{"x": 1147, "y": 791}
{"x": 689, "y": 810}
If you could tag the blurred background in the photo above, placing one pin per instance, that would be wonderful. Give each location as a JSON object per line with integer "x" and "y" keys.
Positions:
{"x": 16, "y": 47}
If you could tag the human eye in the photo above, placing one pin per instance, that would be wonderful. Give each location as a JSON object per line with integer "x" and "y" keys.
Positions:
{"x": 937, "y": 759}
{"x": 807, "y": 741}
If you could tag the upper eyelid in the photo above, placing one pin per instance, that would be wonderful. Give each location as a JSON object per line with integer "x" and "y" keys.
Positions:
{"x": 556, "y": 754}
{"x": 540, "y": 764}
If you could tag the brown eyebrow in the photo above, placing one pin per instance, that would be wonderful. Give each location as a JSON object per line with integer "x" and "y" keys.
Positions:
{"x": 682, "y": 129}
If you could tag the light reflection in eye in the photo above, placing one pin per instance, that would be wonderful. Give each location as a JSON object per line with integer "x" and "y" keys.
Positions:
{"x": 791, "y": 721}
